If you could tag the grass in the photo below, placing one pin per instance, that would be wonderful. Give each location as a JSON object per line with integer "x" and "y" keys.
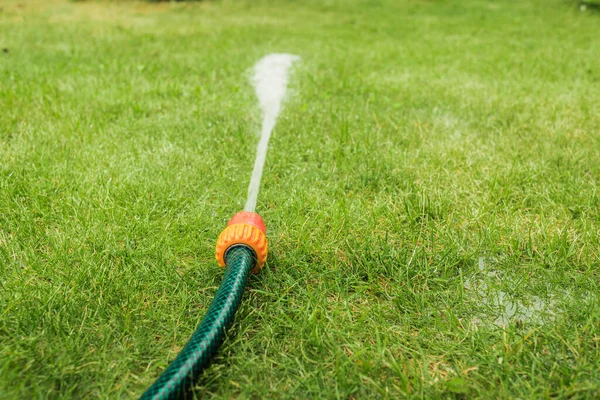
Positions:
{"x": 431, "y": 195}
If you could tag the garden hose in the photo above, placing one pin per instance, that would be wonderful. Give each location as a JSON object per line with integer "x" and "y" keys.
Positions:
{"x": 241, "y": 248}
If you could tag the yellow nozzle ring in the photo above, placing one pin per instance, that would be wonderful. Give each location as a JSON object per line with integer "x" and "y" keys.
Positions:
{"x": 246, "y": 234}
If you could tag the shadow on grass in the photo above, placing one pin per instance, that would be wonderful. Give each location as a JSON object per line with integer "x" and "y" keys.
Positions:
{"x": 589, "y": 6}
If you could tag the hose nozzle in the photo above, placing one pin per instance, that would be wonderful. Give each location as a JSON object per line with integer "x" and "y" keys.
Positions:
{"x": 245, "y": 228}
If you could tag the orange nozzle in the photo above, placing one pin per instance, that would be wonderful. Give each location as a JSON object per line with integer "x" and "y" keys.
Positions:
{"x": 247, "y": 228}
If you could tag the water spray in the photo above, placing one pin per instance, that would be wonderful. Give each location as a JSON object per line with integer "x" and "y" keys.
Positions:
{"x": 241, "y": 248}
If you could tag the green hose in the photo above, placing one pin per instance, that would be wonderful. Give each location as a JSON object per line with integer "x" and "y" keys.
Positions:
{"x": 204, "y": 343}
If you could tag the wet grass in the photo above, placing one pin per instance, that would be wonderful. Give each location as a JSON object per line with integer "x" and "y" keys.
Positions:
{"x": 423, "y": 140}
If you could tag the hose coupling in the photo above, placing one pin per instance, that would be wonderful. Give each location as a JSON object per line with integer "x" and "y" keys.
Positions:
{"x": 245, "y": 228}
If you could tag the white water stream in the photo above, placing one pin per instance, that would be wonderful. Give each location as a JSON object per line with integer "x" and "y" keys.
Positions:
{"x": 270, "y": 82}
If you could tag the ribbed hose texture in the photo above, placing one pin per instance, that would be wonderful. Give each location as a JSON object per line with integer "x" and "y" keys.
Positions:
{"x": 175, "y": 381}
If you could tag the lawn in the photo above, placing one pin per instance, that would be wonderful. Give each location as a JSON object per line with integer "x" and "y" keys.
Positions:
{"x": 431, "y": 195}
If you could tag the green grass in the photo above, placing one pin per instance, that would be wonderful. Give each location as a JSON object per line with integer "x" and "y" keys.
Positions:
{"x": 434, "y": 157}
